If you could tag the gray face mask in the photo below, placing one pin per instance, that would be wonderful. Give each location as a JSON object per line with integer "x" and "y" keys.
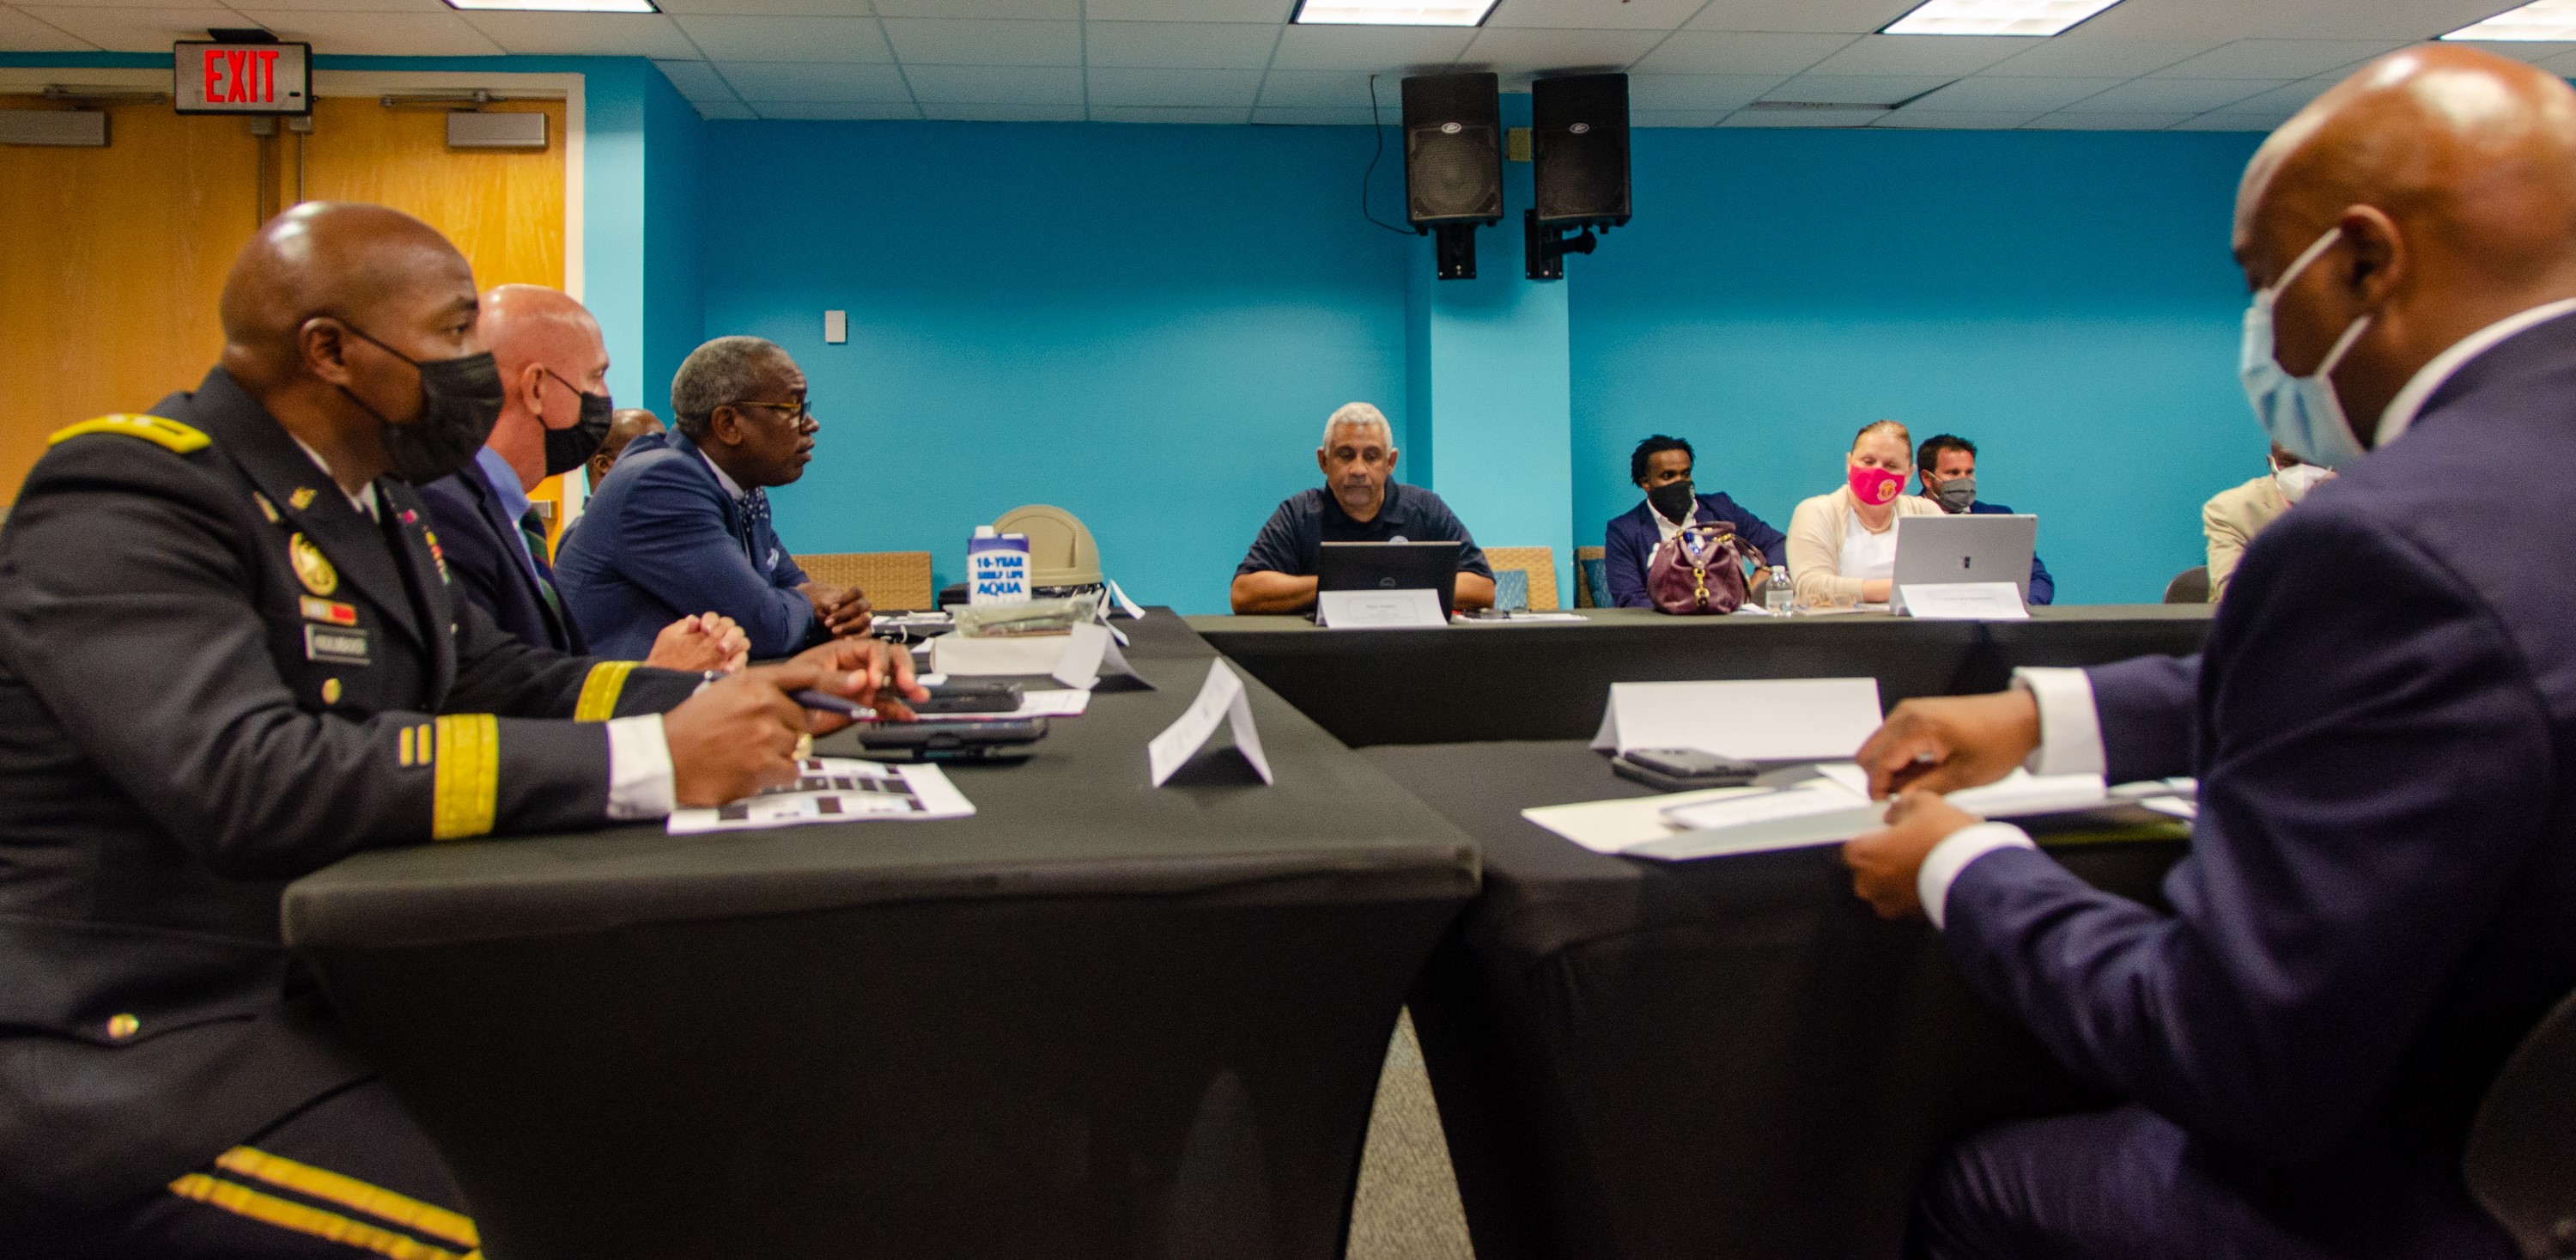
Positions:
{"x": 1957, "y": 493}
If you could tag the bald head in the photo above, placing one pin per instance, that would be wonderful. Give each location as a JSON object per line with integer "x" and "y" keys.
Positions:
{"x": 2447, "y": 178}
{"x": 549, "y": 353}
{"x": 353, "y": 261}
{"x": 626, "y": 425}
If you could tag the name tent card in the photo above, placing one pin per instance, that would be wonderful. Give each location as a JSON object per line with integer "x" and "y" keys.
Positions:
{"x": 1964, "y": 601}
{"x": 1770, "y": 719}
{"x": 1221, "y": 699}
{"x": 1379, "y": 610}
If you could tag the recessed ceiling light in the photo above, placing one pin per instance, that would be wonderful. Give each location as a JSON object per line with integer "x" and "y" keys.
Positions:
{"x": 1994, "y": 17}
{"x": 558, "y": 6}
{"x": 2548, "y": 20}
{"x": 1393, "y": 12}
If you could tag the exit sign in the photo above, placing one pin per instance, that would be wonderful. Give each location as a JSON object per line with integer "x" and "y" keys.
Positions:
{"x": 243, "y": 78}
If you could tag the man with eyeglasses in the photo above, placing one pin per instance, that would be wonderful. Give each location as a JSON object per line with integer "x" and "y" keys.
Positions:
{"x": 555, "y": 409}
{"x": 682, "y": 522}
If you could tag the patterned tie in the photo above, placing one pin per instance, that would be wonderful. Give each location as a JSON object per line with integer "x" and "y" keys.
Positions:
{"x": 532, "y": 527}
{"x": 754, "y": 506}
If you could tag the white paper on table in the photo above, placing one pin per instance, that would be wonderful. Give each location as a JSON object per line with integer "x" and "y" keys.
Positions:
{"x": 2178, "y": 806}
{"x": 835, "y": 789}
{"x": 1516, "y": 619}
{"x": 1220, "y": 698}
{"x": 1620, "y": 825}
{"x": 1126, "y": 605}
{"x": 1079, "y": 667}
{"x": 1379, "y": 610}
{"x": 1784, "y": 719}
{"x": 1071, "y": 702}
{"x": 2016, "y": 795}
{"x": 1963, "y": 601}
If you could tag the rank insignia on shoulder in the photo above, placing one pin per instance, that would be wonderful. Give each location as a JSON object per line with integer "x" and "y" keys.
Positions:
{"x": 302, "y": 498}
{"x": 170, "y": 435}
{"x": 311, "y": 566}
{"x": 266, "y": 508}
{"x": 330, "y": 611}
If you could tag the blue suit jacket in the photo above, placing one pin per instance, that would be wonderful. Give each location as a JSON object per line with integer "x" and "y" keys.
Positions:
{"x": 661, "y": 540}
{"x": 2043, "y": 588}
{"x": 1630, "y": 543}
{"x": 490, "y": 564}
{"x": 2380, "y": 898}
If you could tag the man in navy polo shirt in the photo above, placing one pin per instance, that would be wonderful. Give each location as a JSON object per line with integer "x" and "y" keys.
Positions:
{"x": 1360, "y": 502}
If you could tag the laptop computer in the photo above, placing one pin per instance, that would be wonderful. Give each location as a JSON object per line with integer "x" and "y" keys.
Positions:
{"x": 1391, "y": 566}
{"x": 1936, "y": 550}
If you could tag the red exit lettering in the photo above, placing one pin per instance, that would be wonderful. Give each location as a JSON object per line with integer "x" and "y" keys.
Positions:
{"x": 241, "y": 76}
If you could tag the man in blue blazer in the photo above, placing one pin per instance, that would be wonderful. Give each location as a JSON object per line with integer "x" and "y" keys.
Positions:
{"x": 2380, "y": 897}
{"x": 1661, "y": 466}
{"x": 1947, "y": 465}
{"x": 554, "y": 380}
{"x": 682, "y": 521}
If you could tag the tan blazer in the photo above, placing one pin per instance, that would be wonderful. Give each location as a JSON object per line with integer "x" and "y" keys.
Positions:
{"x": 2231, "y": 518}
{"x": 1816, "y": 544}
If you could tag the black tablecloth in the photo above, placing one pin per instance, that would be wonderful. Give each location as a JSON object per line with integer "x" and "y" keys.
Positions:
{"x": 1096, "y": 1019}
{"x": 1549, "y": 680}
{"x": 1724, "y": 1058}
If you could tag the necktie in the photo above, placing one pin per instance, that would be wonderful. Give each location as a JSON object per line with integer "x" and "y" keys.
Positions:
{"x": 532, "y": 527}
{"x": 754, "y": 506}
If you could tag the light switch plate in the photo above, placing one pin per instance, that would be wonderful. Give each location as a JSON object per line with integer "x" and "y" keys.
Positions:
{"x": 836, "y": 327}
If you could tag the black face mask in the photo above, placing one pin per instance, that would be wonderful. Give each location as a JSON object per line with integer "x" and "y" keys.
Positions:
{"x": 1673, "y": 500}
{"x": 460, "y": 400}
{"x": 570, "y": 448}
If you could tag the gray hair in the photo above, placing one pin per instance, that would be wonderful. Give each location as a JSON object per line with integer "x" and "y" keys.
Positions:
{"x": 1358, "y": 414}
{"x": 725, "y": 370}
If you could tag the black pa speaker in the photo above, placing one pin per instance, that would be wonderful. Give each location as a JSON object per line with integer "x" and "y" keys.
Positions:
{"x": 1453, "y": 149}
{"x": 1580, "y": 149}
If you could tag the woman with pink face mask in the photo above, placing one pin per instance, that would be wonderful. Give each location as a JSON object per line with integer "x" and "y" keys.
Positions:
{"x": 1842, "y": 545}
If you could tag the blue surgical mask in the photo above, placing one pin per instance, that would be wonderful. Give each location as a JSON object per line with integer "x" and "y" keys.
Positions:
{"x": 2299, "y": 413}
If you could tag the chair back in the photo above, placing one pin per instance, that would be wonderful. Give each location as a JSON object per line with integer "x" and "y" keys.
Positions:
{"x": 2191, "y": 586}
{"x": 894, "y": 580}
{"x": 1591, "y": 579}
{"x": 1538, "y": 562}
{"x": 2520, "y": 1162}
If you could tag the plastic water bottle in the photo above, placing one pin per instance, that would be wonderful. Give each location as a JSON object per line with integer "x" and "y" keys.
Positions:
{"x": 1777, "y": 595}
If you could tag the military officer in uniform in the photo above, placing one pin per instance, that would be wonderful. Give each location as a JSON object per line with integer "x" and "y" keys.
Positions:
{"x": 230, "y": 655}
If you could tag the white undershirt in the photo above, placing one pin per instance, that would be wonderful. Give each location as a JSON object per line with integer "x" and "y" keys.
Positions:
{"x": 1664, "y": 529}
{"x": 1867, "y": 555}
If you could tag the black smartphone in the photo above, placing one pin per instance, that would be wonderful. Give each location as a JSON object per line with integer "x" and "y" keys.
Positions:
{"x": 1005, "y": 739}
{"x": 970, "y": 696}
{"x": 1682, "y": 769}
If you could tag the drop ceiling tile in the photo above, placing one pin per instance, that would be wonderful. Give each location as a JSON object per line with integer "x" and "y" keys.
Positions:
{"x": 1334, "y": 89}
{"x": 979, "y": 42}
{"x": 134, "y": 30}
{"x": 768, "y": 8}
{"x": 1233, "y": 89}
{"x": 1708, "y": 52}
{"x": 1722, "y": 92}
{"x": 1980, "y": 93}
{"x": 1368, "y": 47}
{"x": 1179, "y": 45}
{"x": 2537, "y": 52}
{"x": 2065, "y": 121}
{"x": 1310, "y": 116}
{"x": 1839, "y": 89}
{"x": 837, "y": 39}
{"x": 1850, "y": 17}
{"x": 338, "y": 6}
{"x": 1677, "y": 117}
{"x": 726, "y": 110}
{"x": 2277, "y": 58}
{"x": 1002, "y": 113}
{"x": 1273, "y": 12}
{"x": 379, "y": 34}
{"x": 2226, "y": 120}
{"x": 1060, "y": 10}
{"x": 2079, "y": 54}
{"x": 995, "y": 85}
{"x": 1955, "y": 120}
{"x": 835, "y": 110}
{"x": 21, "y": 33}
{"x": 1643, "y": 15}
{"x": 2286, "y": 99}
{"x": 1803, "y": 118}
{"x": 1168, "y": 114}
{"x": 693, "y": 78}
{"x": 586, "y": 34}
{"x": 757, "y": 81}
{"x": 2153, "y": 96}
{"x": 1530, "y": 50}
{"x": 2297, "y": 19}
{"x": 1951, "y": 55}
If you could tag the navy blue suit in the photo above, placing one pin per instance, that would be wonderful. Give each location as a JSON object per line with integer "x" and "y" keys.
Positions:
{"x": 661, "y": 540}
{"x": 2380, "y": 897}
{"x": 2043, "y": 588}
{"x": 1630, "y": 542}
{"x": 490, "y": 564}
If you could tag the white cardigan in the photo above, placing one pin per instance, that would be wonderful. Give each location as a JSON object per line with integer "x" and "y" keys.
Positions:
{"x": 1816, "y": 544}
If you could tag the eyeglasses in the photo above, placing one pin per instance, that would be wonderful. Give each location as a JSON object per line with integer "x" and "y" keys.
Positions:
{"x": 798, "y": 413}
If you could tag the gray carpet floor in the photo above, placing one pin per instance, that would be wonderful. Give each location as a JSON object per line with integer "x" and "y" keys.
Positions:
{"x": 1407, "y": 1207}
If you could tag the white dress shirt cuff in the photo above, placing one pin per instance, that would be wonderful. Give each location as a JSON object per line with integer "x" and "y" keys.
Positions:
{"x": 1942, "y": 865}
{"x": 639, "y": 768}
{"x": 2070, "y": 732}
